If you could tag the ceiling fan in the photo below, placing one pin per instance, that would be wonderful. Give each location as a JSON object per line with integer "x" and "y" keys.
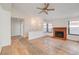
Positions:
{"x": 45, "y": 9}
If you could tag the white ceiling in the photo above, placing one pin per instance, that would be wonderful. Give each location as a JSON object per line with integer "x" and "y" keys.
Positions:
{"x": 61, "y": 9}
{"x": 6, "y": 6}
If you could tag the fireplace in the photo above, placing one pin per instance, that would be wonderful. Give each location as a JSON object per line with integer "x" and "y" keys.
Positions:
{"x": 60, "y": 32}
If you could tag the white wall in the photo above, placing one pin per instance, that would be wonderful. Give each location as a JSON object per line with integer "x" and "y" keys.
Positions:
{"x": 5, "y": 27}
{"x": 33, "y": 23}
{"x": 36, "y": 34}
{"x": 59, "y": 23}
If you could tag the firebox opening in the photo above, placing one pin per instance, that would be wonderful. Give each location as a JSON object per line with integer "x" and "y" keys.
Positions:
{"x": 59, "y": 34}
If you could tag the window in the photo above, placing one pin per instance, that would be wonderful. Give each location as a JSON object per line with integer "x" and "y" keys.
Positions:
{"x": 47, "y": 27}
{"x": 74, "y": 27}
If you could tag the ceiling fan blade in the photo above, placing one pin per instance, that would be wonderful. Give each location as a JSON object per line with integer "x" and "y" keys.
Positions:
{"x": 50, "y": 9}
{"x": 46, "y": 12}
{"x": 46, "y": 5}
{"x": 40, "y": 8}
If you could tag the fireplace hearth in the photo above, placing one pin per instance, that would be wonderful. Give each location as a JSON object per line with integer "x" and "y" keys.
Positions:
{"x": 60, "y": 32}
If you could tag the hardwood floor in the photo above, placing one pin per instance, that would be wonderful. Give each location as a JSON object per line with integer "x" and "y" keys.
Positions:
{"x": 41, "y": 46}
{"x": 53, "y": 46}
{"x": 15, "y": 48}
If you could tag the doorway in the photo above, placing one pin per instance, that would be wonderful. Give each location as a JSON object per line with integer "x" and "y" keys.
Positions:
{"x": 17, "y": 26}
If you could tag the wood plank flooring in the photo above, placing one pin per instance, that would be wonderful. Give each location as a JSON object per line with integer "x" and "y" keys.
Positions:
{"x": 53, "y": 46}
{"x": 41, "y": 46}
{"x": 16, "y": 48}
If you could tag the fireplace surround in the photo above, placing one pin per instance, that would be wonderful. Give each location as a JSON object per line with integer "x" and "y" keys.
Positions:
{"x": 60, "y": 32}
